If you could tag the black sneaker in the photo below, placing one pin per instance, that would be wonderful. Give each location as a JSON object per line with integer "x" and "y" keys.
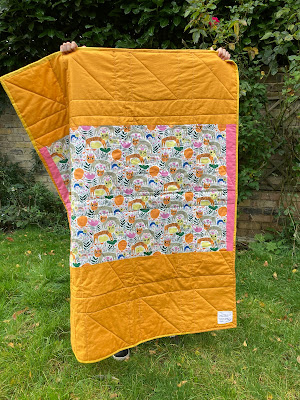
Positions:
{"x": 122, "y": 355}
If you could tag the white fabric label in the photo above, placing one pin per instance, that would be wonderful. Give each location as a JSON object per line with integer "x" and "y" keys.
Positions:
{"x": 224, "y": 317}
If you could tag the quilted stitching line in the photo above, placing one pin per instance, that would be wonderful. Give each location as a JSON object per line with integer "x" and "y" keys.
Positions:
{"x": 115, "y": 74}
{"x": 163, "y": 280}
{"x": 178, "y": 74}
{"x": 155, "y": 76}
{"x": 172, "y": 265}
{"x": 214, "y": 74}
{"x": 131, "y": 86}
{"x": 51, "y": 115}
{"x": 112, "y": 268}
{"x": 162, "y": 116}
{"x": 58, "y": 82}
{"x": 232, "y": 271}
{"x": 107, "y": 329}
{"x": 47, "y": 133}
{"x": 93, "y": 78}
{"x": 38, "y": 94}
{"x": 153, "y": 100}
{"x": 150, "y": 295}
{"x": 195, "y": 290}
{"x": 160, "y": 314}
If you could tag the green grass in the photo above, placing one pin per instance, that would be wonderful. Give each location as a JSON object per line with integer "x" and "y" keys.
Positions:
{"x": 256, "y": 360}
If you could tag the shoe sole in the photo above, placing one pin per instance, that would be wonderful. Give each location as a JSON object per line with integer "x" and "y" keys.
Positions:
{"x": 122, "y": 358}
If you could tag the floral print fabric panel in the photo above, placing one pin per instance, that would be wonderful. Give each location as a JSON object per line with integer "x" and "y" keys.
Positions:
{"x": 142, "y": 190}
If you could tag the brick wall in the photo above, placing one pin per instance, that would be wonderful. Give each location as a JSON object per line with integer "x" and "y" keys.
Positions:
{"x": 255, "y": 215}
{"x": 15, "y": 143}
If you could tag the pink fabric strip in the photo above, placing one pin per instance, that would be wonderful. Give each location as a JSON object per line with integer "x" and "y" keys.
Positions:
{"x": 57, "y": 178}
{"x": 231, "y": 183}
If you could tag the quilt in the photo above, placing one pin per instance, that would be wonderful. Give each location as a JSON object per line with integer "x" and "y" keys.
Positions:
{"x": 141, "y": 145}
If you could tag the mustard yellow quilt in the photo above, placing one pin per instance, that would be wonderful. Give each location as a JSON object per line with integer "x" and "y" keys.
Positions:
{"x": 141, "y": 146}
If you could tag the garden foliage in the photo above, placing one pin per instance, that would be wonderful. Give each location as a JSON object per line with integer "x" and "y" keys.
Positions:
{"x": 25, "y": 202}
{"x": 262, "y": 37}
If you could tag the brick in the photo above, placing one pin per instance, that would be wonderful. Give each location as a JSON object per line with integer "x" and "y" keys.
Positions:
{"x": 270, "y": 195}
{"x": 5, "y": 131}
{"x": 18, "y": 130}
{"x": 242, "y": 232}
{"x": 244, "y": 217}
{"x": 15, "y": 138}
{"x": 265, "y": 203}
{"x": 27, "y": 145}
{"x": 270, "y": 211}
{"x": 245, "y": 203}
{"x": 262, "y": 218}
{"x": 254, "y": 195}
{"x": 252, "y": 211}
{"x": 248, "y": 225}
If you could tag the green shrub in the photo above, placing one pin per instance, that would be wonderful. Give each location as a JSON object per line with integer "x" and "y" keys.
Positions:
{"x": 26, "y": 202}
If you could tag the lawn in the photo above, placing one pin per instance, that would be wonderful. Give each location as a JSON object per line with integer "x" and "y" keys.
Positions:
{"x": 259, "y": 359}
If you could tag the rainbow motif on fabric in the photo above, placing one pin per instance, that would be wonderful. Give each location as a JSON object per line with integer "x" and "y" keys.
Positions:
{"x": 144, "y": 190}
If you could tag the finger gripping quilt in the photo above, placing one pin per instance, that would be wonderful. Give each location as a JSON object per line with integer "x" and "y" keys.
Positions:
{"x": 141, "y": 146}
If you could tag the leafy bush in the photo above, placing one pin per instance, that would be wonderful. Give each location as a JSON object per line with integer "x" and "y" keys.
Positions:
{"x": 33, "y": 29}
{"x": 25, "y": 202}
{"x": 261, "y": 35}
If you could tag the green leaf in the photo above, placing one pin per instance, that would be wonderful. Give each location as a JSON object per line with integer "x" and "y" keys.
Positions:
{"x": 177, "y": 20}
{"x": 163, "y": 22}
{"x": 267, "y": 35}
{"x": 196, "y": 36}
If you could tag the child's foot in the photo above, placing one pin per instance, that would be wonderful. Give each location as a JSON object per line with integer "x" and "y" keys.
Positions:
{"x": 122, "y": 355}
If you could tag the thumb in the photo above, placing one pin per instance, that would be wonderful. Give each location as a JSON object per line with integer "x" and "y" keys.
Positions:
{"x": 212, "y": 49}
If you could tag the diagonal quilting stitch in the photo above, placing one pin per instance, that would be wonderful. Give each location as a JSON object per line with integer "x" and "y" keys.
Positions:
{"x": 38, "y": 94}
{"x": 232, "y": 272}
{"x": 155, "y": 76}
{"x": 107, "y": 329}
{"x": 205, "y": 300}
{"x": 214, "y": 75}
{"x": 93, "y": 78}
{"x": 48, "y": 133}
{"x": 109, "y": 263}
{"x": 160, "y": 314}
{"x": 51, "y": 115}
{"x": 166, "y": 258}
{"x": 53, "y": 71}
